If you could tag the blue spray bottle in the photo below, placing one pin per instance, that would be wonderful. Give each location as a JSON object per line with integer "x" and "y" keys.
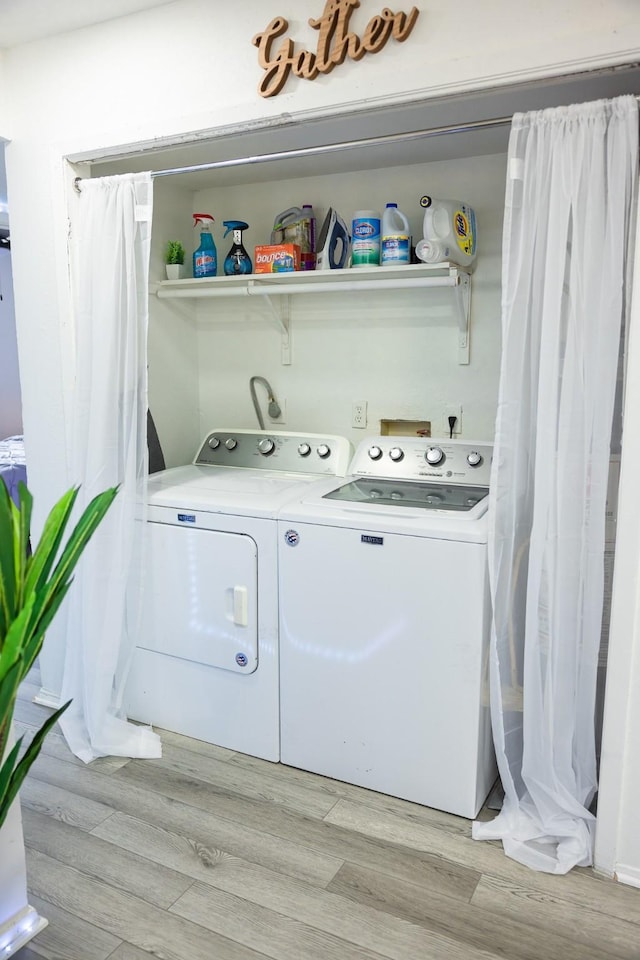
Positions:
{"x": 205, "y": 256}
{"x": 237, "y": 261}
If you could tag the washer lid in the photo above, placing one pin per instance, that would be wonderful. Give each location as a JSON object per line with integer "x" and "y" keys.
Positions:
{"x": 378, "y": 492}
{"x": 252, "y": 493}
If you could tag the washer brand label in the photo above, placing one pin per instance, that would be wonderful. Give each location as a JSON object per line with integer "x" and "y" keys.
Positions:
{"x": 187, "y": 517}
{"x": 241, "y": 659}
{"x": 366, "y": 538}
{"x": 292, "y": 538}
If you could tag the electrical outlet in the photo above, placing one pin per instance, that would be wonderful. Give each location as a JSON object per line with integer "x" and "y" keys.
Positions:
{"x": 359, "y": 414}
{"x": 451, "y": 410}
{"x": 283, "y": 416}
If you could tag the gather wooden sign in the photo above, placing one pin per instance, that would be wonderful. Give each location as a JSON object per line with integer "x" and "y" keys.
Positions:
{"x": 335, "y": 43}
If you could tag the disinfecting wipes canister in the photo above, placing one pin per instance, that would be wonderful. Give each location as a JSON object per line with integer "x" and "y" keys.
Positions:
{"x": 365, "y": 239}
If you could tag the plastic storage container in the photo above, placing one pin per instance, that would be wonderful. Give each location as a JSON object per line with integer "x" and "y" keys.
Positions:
{"x": 449, "y": 229}
{"x": 365, "y": 239}
{"x": 396, "y": 240}
{"x": 297, "y": 225}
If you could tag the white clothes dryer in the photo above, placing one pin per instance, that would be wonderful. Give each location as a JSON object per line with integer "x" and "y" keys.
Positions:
{"x": 206, "y": 659}
{"x": 384, "y": 624}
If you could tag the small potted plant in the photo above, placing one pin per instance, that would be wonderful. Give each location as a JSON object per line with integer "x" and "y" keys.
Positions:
{"x": 174, "y": 259}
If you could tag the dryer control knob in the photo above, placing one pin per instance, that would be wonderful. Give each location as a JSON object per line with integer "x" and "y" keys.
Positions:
{"x": 230, "y": 443}
{"x": 474, "y": 459}
{"x": 396, "y": 454}
{"x": 434, "y": 456}
{"x": 214, "y": 443}
{"x": 375, "y": 453}
{"x": 324, "y": 451}
{"x": 266, "y": 446}
{"x": 304, "y": 449}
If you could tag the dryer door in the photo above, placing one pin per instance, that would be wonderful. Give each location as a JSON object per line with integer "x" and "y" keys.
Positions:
{"x": 200, "y": 597}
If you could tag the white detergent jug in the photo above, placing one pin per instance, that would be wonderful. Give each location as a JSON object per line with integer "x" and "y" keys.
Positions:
{"x": 450, "y": 233}
{"x": 396, "y": 241}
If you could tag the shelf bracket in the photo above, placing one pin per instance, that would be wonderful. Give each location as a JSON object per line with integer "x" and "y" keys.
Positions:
{"x": 463, "y": 304}
{"x": 282, "y": 315}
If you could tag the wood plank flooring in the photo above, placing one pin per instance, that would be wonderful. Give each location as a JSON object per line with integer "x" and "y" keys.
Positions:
{"x": 211, "y": 855}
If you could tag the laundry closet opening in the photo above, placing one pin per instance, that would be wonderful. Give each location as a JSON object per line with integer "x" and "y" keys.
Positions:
{"x": 393, "y": 350}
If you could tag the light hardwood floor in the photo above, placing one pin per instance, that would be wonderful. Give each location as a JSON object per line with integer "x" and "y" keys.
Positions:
{"x": 212, "y": 855}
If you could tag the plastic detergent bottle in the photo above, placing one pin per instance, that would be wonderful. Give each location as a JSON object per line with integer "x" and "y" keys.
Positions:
{"x": 365, "y": 239}
{"x": 237, "y": 261}
{"x": 450, "y": 233}
{"x": 396, "y": 241}
{"x": 297, "y": 225}
{"x": 205, "y": 256}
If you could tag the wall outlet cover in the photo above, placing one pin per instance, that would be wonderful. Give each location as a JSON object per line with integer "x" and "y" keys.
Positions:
{"x": 359, "y": 414}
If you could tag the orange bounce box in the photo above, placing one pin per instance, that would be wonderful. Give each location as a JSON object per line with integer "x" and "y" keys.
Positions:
{"x": 277, "y": 258}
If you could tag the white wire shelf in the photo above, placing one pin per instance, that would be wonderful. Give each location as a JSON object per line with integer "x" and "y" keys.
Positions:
{"x": 283, "y": 285}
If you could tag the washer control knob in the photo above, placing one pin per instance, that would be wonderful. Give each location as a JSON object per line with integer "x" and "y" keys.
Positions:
{"x": 214, "y": 443}
{"x": 304, "y": 449}
{"x": 434, "y": 456}
{"x": 324, "y": 451}
{"x": 266, "y": 446}
{"x": 474, "y": 459}
{"x": 375, "y": 453}
{"x": 396, "y": 454}
{"x": 230, "y": 443}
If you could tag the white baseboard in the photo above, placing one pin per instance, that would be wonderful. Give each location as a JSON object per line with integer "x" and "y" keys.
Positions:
{"x": 19, "y": 930}
{"x": 626, "y": 874}
{"x": 47, "y": 699}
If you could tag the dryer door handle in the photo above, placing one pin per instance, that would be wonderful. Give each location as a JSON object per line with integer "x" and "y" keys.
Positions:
{"x": 240, "y": 606}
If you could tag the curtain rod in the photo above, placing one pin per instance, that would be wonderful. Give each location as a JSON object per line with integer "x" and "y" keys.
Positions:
{"x": 333, "y": 147}
{"x": 328, "y": 148}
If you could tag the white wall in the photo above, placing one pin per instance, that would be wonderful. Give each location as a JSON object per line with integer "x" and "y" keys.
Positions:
{"x": 188, "y": 68}
{"x": 10, "y": 405}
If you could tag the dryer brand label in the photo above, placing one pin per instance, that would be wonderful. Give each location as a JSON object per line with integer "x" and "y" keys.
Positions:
{"x": 241, "y": 659}
{"x": 366, "y": 538}
{"x": 292, "y": 538}
{"x": 187, "y": 517}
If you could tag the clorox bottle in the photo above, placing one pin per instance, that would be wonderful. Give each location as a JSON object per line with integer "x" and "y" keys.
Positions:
{"x": 450, "y": 232}
{"x": 396, "y": 240}
{"x": 205, "y": 256}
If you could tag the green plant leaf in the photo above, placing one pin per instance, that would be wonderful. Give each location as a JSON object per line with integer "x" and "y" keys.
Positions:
{"x": 16, "y": 638}
{"x": 12, "y": 775}
{"x": 45, "y": 553}
{"x": 81, "y": 534}
{"x": 22, "y": 531}
{"x": 7, "y": 563}
{"x": 174, "y": 252}
{"x": 9, "y": 683}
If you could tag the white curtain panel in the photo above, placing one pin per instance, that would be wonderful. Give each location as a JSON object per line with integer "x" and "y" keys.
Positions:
{"x": 110, "y": 246}
{"x": 570, "y": 198}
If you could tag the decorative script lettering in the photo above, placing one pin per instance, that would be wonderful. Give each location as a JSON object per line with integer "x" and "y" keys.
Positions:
{"x": 335, "y": 43}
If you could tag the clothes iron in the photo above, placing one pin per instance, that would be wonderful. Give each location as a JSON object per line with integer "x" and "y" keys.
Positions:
{"x": 333, "y": 243}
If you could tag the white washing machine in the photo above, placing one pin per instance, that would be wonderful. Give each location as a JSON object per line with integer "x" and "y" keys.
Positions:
{"x": 384, "y": 624}
{"x": 206, "y": 657}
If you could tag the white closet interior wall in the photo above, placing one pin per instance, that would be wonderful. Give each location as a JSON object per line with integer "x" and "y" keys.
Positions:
{"x": 395, "y": 349}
